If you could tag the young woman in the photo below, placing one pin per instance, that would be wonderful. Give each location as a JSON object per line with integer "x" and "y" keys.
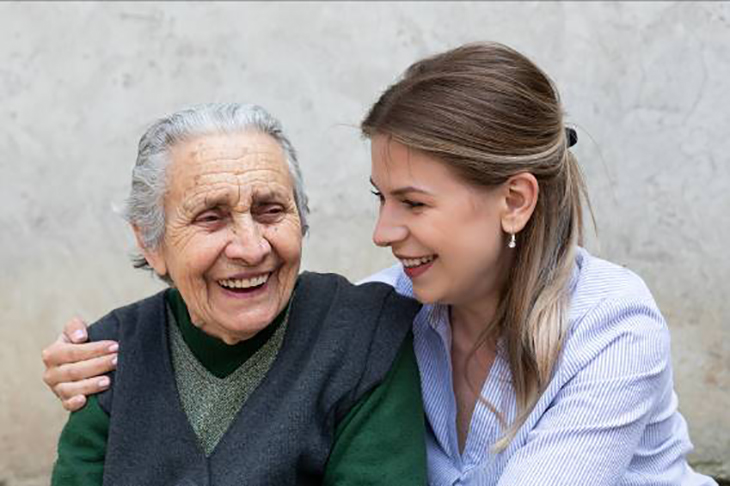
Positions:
{"x": 539, "y": 363}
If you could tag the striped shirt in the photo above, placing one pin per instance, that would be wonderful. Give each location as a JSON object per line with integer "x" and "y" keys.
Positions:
{"x": 608, "y": 417}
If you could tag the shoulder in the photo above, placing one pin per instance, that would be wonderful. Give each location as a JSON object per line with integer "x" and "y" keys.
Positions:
{"x": 357, "y": 329}
{"x": 612, "y": 308}
{"x": 126, "y": 317}
{"x": 388, "y": 276}
{"x": 394, "y": 277}
{"x": 368, "y": 300}
{"x": 126, "y": 325}
{"x": 596, "y": 281}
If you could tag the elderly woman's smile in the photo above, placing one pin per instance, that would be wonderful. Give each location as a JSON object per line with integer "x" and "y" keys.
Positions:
{"x": 232, "y": 243}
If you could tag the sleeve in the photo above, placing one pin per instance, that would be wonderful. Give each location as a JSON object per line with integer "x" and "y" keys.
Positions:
{"x": 381, "y": 441}
{"x": 592, "y": 428}
{"x": 82, "y": 447}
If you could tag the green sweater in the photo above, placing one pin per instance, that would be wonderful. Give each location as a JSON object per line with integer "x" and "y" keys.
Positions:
{"x": 370, "y": 444}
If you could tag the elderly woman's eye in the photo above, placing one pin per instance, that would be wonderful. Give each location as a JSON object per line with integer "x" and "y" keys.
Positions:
{"x": 209, "y": 217}
{"x": 274, "y": 209}
{"x": 270, "y": 212}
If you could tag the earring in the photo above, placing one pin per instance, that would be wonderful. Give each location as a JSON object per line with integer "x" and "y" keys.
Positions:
{"x": 512, "y": 241}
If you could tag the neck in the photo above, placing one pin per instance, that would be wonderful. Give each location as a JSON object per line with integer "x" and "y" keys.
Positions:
{"x": 471, "y": 365}
{"x": 471, "y": 317}
{"x": 469, "y": 321}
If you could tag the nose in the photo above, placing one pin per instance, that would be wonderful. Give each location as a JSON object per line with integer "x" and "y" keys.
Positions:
{"x": 248, "y": 242}
{"x": 388, "y": 229}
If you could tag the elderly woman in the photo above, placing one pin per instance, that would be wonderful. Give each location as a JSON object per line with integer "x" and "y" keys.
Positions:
{"x": 244, "y": 371}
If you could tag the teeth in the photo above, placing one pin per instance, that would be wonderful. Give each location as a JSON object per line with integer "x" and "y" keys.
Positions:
{"x": 244, "y": 283}
{"x": 414, "y": 262}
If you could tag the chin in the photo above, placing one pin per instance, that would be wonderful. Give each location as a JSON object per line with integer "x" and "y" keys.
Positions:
{"x": 236, "y": 336}
{"x": 239, "y": 328}
{"x": 250, "y": 327}
{"x": 425, "y": 297}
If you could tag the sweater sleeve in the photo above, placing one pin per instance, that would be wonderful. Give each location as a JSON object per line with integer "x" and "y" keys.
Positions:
{"x": 82, "y": 447}
{"x": 381, "y": 441}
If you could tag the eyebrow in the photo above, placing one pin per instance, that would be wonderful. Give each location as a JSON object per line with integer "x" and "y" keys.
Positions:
{"x": 404, "y": 190}
{"x": 210, "y": 202}
{"x": 268, "y": 194}
{"x": 224, "y": 199}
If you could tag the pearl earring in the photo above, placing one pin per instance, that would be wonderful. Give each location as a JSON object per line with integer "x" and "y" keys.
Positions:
{"x": 512, "y": 241}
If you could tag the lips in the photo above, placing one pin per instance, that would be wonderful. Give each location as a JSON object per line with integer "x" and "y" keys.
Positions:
{"x": 416, "y": 266}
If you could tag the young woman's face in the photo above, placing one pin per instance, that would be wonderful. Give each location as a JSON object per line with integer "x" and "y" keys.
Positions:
{"x": 446, "y": 233}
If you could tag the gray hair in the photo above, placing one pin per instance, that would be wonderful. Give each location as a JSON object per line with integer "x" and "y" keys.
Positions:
{"x": 144, "y": 207}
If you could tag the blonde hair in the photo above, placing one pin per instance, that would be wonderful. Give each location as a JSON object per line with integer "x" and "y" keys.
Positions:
{"x": 489, "y": 113}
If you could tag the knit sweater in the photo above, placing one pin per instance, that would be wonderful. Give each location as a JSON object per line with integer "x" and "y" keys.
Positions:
{"x": 375, "y": 442}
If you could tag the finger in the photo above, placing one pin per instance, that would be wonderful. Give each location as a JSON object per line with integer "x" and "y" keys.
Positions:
{"x": 75, "y": 330}
{"x": 74, "y": 403}
{"x": 67, "y": 391}
{"x": 63, "y": 353}
{"x": 81, "y": 370}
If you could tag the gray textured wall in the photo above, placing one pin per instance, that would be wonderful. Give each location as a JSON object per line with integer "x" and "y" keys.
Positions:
{"x": 647, "y": 84}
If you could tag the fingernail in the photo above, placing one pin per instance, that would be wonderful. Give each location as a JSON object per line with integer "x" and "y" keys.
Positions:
{"x": 78, "y": 335}
{"x": 103, "y": 382}
{"x": 114, "y": 360}
{"x": 114, "y": 348}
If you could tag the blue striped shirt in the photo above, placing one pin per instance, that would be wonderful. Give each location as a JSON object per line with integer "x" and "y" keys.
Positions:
{"x": 608, "y": 417}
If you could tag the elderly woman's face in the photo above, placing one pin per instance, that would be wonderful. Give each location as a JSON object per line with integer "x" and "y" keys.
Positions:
{"x": 233, "y": 236}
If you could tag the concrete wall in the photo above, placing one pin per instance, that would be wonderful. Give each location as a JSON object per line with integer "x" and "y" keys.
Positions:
{"x": 647, "y": 85}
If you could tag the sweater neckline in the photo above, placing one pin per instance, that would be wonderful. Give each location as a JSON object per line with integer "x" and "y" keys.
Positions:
{"x": 216, "y": 356}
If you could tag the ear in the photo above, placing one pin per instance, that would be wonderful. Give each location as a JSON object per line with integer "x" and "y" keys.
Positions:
{"x": 154, "y": 257}
{"x": 521, "y": 192}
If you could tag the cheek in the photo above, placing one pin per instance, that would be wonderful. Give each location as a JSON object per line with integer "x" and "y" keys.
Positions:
{"x": 477, "y": 243}
{"x": 437, "y": 234}
{"x": 286, "y": 241}
{"x": 293, "y": 253}
{"x": 198, "y": 255}
{"x": 483, "y": 248}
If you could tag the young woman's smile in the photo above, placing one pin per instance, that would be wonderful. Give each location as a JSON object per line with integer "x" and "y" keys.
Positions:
{"x": 415, "y": 266}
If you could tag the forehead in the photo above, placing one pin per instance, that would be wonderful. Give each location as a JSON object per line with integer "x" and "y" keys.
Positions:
{"x": 395, "y": 164}
{"x": 226, "y": 162}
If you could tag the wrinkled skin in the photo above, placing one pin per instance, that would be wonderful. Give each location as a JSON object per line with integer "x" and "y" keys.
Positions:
{"x": 230, "y": 214}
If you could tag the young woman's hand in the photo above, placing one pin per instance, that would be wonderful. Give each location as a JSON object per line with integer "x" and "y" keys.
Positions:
{"x": 74, "y": 368}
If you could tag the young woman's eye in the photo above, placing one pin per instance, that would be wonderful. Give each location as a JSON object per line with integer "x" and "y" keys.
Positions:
{"x": 412, "y": 204}
{"x": 378, "y": 194}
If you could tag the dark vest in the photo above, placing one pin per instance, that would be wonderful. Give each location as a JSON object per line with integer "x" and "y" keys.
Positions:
{"x": 340, "y": 343}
